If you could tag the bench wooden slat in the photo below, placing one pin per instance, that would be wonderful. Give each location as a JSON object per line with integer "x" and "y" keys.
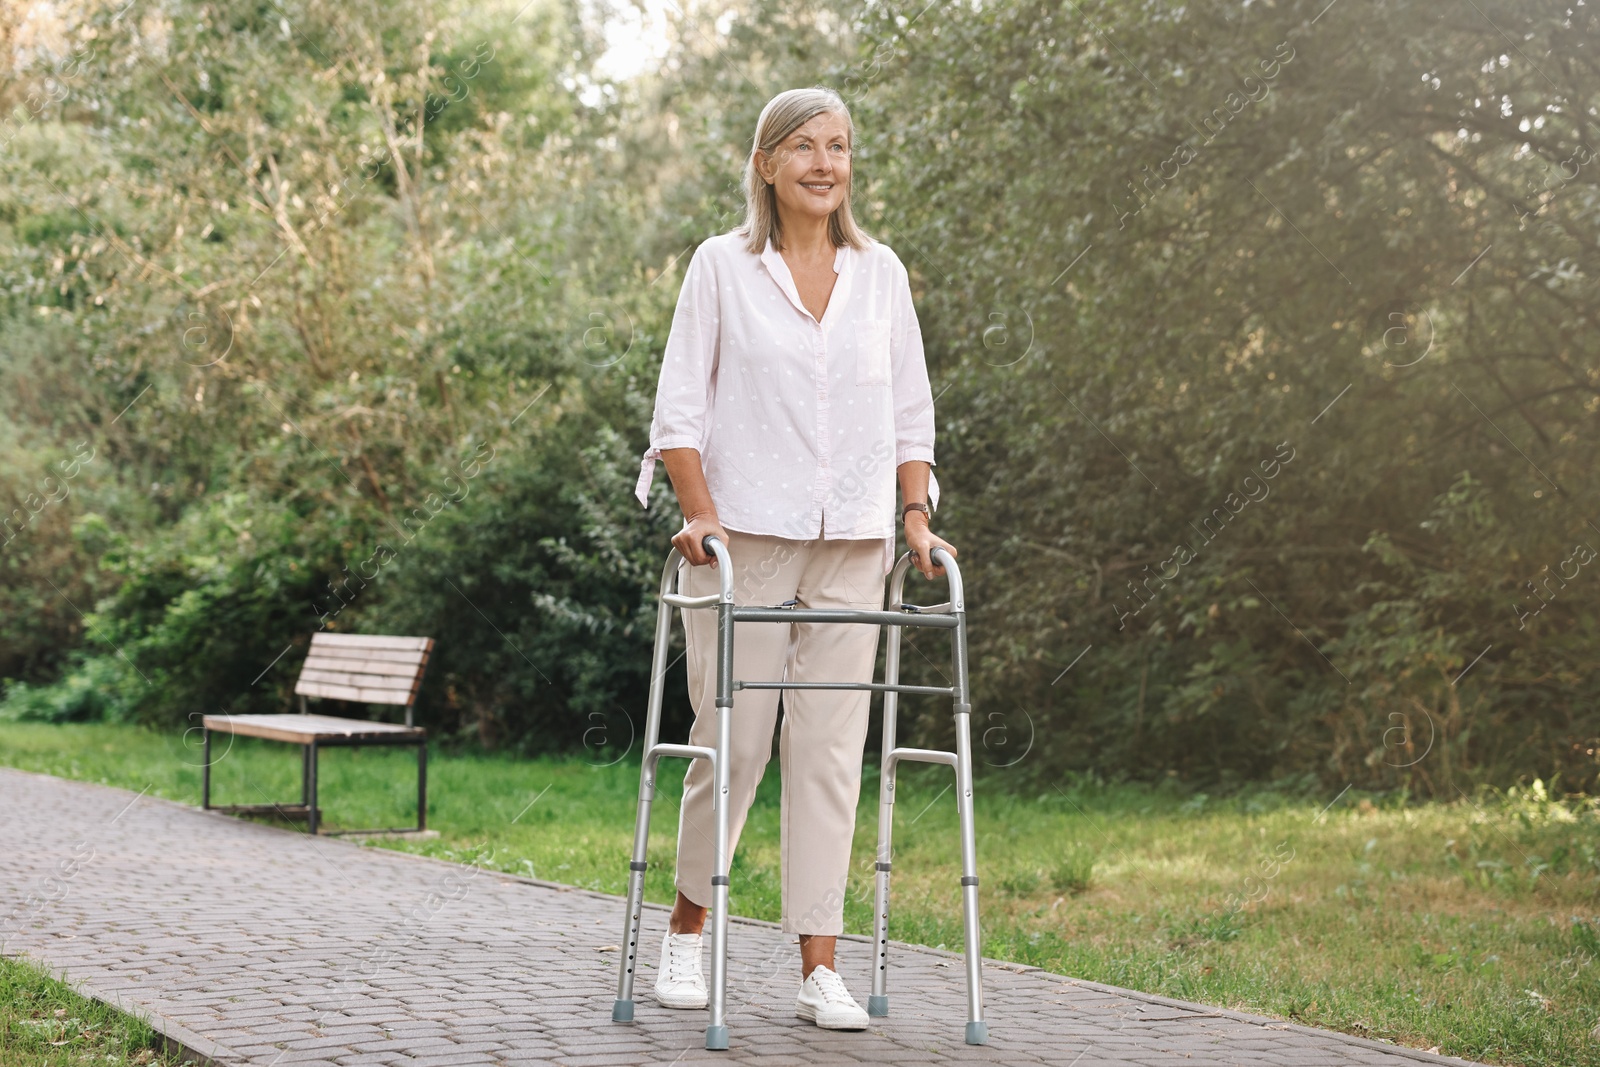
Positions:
{"x": 364, "y": 669}
{"x": 360, "y": 681}
{"x": 360, "y": 695}
{"x": 418, "y": 644}
{"x": 361, "y": 666}
{"x": 369, "y": 655}
{"x": 301, "y": 729}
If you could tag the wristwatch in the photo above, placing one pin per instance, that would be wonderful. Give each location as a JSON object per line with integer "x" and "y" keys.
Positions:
{"x": 913, "y": 507}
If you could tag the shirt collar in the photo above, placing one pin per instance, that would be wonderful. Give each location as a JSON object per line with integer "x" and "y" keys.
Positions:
{"x": 770, "y": 256}
{"x": 778, "y": 271}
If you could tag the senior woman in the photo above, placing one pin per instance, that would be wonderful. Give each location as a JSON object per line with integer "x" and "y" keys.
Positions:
{"x": 793, "y": 374}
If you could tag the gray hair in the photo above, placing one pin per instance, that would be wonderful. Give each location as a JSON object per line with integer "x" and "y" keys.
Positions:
{"x": 784, "y": 114}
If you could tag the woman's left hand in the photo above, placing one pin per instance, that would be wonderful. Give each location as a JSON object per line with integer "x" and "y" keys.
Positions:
{"x": 922, "y": 541}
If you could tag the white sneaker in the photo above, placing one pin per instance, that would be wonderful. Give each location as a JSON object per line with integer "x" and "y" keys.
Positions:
{"x": 825, "y": 1001}
{"x": 679, "y": 980}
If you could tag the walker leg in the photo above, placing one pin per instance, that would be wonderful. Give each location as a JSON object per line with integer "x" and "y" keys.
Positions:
{"x": 622, "y": 1009}
{"x": 878, "y": 999}
{"x": 717, "y": 1028}
{"x": 977, "y": 1029}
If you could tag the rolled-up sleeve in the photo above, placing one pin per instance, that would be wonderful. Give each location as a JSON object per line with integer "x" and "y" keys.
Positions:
{"x": 688, "y": 369}
{"x": 913, "y": 396}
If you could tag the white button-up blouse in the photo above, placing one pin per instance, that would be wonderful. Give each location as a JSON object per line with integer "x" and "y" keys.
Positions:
{"x": 800, "y": 424}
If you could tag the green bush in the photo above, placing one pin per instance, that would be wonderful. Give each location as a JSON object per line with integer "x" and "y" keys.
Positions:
{"x": 1289, "y": 352}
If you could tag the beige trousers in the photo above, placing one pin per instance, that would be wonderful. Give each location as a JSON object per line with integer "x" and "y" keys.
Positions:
{"x": 824, "y": 732}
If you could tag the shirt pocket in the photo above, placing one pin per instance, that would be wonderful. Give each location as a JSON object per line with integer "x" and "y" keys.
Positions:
{"x": 872, "y": 352}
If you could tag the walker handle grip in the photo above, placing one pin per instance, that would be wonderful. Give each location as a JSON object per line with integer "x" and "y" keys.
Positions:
{"x": 705, "y": 543}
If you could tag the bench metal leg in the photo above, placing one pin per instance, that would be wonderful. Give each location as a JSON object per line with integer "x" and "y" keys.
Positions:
{"x": 422, "y": 786}
{"x": 310, "y": 751}
{"x": 311, "y": 788}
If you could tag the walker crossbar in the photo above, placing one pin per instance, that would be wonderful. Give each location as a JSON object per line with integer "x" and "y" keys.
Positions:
{"x": 877, "y": 618}
{"x": 876, "y": 687}
{"x": 950, "y": 615}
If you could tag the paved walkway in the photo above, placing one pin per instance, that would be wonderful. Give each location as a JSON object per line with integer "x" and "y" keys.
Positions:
{"x": 251, "y": 944}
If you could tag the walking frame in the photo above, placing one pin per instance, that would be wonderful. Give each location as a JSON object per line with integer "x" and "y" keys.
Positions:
{"x": 951, "y": 616}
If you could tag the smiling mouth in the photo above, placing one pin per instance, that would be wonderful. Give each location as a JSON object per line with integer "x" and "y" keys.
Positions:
{"x": 816, "y": 187}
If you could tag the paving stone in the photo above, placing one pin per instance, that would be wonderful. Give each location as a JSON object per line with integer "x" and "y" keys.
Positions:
{"x": 453, "y": 1059}
{"x": 283, "y": 949}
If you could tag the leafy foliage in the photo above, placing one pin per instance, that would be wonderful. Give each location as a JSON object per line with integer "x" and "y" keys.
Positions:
{"x": 1262, "y": 338}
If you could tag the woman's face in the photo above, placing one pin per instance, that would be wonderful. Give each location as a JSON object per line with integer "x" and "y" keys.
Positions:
{"x": 810, "y": 170}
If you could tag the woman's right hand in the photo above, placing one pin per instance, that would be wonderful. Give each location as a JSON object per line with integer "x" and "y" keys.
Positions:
{"x": 690, "y": 540}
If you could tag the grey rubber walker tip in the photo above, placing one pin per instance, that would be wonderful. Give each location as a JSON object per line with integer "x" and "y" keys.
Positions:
{"x": 877, "y": 1006}
{"x": 716, "y": 1037}
{"x": 978, "y": 1033}
{"x": 622, "y": 1011}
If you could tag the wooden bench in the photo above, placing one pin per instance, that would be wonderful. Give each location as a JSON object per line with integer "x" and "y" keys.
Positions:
{"x": 354, "y": 667}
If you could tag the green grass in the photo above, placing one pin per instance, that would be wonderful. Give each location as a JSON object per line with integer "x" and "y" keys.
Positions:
{"x": 1472, "y": 926}
{"x": 43, "y": 1023}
